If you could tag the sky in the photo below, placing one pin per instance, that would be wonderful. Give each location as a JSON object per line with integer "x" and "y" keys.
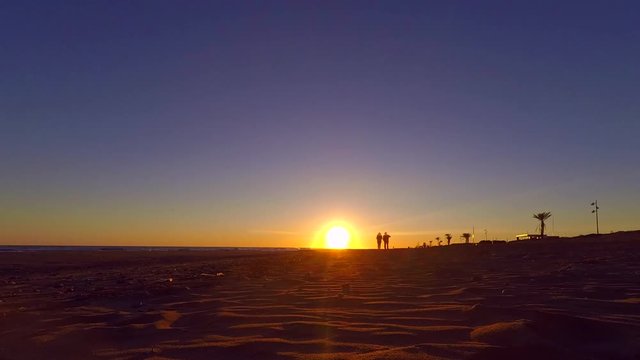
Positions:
{"x": 260, "y": 123}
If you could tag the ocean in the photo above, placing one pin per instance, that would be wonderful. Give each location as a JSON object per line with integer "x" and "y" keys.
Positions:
{"x": 25, "y": 248}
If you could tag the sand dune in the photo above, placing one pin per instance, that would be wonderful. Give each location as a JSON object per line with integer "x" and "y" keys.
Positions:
{"x": 569, "y": 299}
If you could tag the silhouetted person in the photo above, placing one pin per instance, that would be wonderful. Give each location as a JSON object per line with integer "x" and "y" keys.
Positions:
{"x": 379, "y": 240}
{"x": 385, "y": 238}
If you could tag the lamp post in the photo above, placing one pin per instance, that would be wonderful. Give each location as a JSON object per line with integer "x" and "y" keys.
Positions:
{"x": 595, "y": 211}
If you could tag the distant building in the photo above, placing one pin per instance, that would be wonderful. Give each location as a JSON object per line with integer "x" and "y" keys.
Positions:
{"x": 534, "y": 237}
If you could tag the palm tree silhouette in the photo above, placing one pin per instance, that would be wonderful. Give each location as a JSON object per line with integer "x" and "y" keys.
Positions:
{"x": 542, "y": 217}
{"x": 448, "y": 236}
{"x": 466, "y": 237}
{"x": 438, "y": 240}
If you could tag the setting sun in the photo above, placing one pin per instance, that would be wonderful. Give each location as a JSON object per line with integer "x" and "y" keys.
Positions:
{"x": 337, "y": 238}
{"x": 337, "y": 234}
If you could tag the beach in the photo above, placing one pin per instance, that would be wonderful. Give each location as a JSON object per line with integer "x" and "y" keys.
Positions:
{"x": 561, "y": 299}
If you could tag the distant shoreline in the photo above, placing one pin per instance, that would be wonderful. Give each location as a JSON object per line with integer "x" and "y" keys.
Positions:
{"x": 628, "y": 235}
{"x": 29, "y": 248}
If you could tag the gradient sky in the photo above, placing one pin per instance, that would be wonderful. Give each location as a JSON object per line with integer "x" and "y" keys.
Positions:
{"x": 241, "y": 123}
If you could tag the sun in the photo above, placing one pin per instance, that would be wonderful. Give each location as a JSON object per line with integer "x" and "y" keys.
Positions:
{"x": 336, "y": 234}
{"x": 337, "y": 238}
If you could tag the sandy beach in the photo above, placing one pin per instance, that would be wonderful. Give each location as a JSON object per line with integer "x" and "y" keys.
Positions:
{"x": 563, "y": 299}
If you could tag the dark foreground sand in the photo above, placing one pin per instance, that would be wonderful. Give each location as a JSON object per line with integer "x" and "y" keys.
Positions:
{"x": 568, "y": 299}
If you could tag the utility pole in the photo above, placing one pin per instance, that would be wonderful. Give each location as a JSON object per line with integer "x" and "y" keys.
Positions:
{"x": 595, "y": 211}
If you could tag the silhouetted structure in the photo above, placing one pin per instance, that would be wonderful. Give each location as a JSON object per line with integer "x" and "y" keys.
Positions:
{"x": 542, "y": 217}
{"x": 595, "y": 211}
{"x": 466, "y": 237}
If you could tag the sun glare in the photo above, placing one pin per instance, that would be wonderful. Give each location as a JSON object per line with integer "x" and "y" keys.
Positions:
{"x": 337, "y": 238}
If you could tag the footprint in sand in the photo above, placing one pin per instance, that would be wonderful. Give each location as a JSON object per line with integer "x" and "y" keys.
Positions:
{"x": 168, "y": 318}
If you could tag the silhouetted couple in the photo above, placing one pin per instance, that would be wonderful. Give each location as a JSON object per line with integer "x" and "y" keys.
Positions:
{"x": 380, "y": 238}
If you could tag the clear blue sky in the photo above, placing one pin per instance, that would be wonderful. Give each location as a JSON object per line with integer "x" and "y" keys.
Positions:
{"x": 256, "y": 123}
